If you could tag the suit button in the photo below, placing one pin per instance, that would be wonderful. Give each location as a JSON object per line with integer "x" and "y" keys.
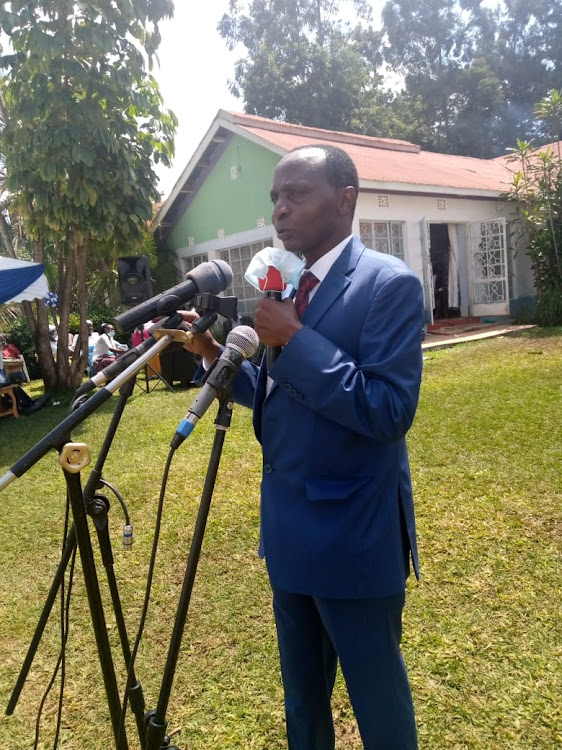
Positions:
{"x": 267, "y": 469}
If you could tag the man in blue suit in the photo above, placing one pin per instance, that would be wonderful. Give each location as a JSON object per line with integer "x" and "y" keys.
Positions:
{"x": 332, "y": 413}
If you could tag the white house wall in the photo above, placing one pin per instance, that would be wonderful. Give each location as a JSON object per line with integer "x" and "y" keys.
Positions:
{"x": 413, "y": 209}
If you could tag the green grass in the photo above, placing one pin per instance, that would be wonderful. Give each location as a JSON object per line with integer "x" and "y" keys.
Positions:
{"x": 483, "y": 634}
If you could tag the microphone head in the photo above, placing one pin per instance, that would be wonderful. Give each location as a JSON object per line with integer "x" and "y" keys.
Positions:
{"x": 245, "y": 339}
{"x": 212, "y": 276}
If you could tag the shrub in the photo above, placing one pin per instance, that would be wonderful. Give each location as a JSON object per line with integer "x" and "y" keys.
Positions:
{"x": 549, "y": 309}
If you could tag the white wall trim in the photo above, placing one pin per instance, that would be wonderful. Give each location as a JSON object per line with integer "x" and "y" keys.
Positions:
{"x": 213, "y": 247}
{"x": 428, "y": 191}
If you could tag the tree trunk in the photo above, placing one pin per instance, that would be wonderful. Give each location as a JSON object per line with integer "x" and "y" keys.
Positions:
{"x": 43, "y": 347}
{"x": 39, "y": 326}
{"x": 65, "y": 284}
{"x": 80, "y": 363}
{"x": 5, "y": 233}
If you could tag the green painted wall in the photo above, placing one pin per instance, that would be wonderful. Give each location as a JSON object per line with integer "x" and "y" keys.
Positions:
{"x": 224, "y": 203}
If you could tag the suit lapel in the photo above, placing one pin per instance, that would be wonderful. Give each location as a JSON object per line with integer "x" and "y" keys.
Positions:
{"x": 259, "y": 398}
{"x": 335, "y": 283}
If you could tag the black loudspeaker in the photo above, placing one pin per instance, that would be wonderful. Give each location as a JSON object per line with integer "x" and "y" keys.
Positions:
{"x": 134, "y": 279}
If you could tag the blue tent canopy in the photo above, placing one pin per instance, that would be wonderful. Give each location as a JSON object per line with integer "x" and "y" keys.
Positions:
{"x": 21, "y": 280}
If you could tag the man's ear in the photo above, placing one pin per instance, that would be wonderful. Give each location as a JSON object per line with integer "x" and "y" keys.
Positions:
{"x": 347, "y": 200}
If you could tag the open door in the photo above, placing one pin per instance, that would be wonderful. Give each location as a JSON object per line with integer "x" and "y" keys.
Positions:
{"x": 428, "y": 293}
{"x": 489, "y": 278}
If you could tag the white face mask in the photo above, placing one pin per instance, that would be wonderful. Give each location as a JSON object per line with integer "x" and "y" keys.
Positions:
{"x": 111, "y": 334}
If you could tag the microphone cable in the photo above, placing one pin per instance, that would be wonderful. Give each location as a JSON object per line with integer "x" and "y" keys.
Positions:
{"x": 64, "y": 631}
{"x": 65, "y": 600}
{"x": 148, "y": 589}
{"x": 242, "y": 342}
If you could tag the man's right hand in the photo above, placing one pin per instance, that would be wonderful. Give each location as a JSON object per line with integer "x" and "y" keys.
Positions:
{"x": 203, "y": 344}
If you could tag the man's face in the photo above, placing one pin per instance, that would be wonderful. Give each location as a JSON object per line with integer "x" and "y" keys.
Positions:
{"x": 307, "y": 211}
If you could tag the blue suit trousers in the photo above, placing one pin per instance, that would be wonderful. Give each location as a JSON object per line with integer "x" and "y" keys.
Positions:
{"x": 365, "y": 635}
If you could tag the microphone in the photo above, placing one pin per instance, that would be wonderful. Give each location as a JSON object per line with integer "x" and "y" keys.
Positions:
{"x": 273, "y": 286}
{"x": 212, "y": 277}
{"x": 242, "y": 342}
{"x": 270, "y": 270}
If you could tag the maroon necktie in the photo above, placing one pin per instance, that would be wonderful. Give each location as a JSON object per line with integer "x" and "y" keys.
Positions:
{"x": 307, "y": 282}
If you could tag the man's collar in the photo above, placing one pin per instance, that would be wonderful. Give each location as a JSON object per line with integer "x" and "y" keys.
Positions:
{"x": 321, "y": 267}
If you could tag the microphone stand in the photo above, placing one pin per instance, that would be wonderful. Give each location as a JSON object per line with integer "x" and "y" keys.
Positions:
{"x": 73, "y": 458}
{"x": 85, "y": 548}
{"x": 157, "y": 723}
{"x": 97, "y": 507}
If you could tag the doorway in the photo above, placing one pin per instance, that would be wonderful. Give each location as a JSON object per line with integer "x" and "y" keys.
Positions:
{"x": 445, "y": 273}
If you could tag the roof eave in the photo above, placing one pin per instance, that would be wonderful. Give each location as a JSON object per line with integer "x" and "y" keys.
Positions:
{"x": 230, "y": 121}
{"x": 427, "y": 189}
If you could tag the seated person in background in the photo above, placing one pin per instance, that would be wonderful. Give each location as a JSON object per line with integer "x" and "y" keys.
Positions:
{"x": 53, "y": 339}
{"x": 139, "y": 334}
{"x": 92, "y": 338}
{"x": 9, "y": 351}
{"x": 106, "y": 349}
{"x": 26, "y": 405}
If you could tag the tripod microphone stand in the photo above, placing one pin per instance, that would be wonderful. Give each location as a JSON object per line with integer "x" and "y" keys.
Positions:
{"x": 73, "y": 458}
{"x": 150, "y": 373}
{"x": 83, "y": 504}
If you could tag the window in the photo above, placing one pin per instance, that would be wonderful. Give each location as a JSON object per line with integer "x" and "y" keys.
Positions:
{"x": 384, "y": 236}
{"x": 238, "y": 258}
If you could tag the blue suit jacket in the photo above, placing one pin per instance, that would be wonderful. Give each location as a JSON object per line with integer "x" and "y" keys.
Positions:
{"x": 337, "y": 514}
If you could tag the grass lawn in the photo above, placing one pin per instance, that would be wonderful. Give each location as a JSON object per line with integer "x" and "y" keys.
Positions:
{"x": 483, "y": 632}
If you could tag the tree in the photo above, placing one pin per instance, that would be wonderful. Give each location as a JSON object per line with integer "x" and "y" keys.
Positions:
{"x": 305, "y": 65}
{"x": 83, "y": 124}
{"x": 458, "y": 76}
{"x": 472, "y": 71}
{"x": 549, "y": 111}
{"x": 527, "y": 57}
{"x": 536, "y": 190}
{"x": 451, "y": 94}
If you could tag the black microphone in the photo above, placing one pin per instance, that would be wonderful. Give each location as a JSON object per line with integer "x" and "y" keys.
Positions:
{"x": 242, "y": 342}
{"x": 213, "y": 277}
